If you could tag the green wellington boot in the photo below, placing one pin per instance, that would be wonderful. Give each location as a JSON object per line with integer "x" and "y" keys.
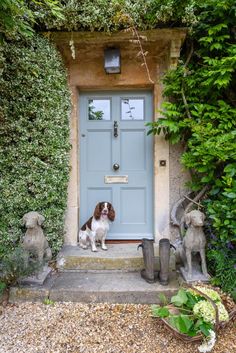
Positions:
{"x": 164, "y": 253}
{"x": 148, "y": 257}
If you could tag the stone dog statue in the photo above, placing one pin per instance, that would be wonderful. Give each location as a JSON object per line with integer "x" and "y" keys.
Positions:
{"x": 34, "y": 241}
{"x": 194, "y": 241}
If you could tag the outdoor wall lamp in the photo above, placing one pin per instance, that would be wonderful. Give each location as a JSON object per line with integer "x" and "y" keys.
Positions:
{"x": 112, "y": 60}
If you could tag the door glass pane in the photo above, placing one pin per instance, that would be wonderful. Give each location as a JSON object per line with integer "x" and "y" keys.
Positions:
{"x": 132, "y": 109}
{"x": 99, "y": 109}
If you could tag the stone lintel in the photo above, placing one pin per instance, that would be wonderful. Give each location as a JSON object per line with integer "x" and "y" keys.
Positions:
{"x": 154, "y": 35}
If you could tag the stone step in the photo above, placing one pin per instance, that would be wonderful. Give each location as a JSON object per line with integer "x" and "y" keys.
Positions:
{"x": 123, "y": 257}
{"x": 96, "y": 287}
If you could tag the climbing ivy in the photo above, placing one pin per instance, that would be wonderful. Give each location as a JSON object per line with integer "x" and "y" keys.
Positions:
{"x": 201, "y": 113}
{"x": 34, "y": 140}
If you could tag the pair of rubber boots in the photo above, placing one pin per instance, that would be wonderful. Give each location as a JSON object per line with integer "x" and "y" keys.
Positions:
{"x": 149, "y": 274}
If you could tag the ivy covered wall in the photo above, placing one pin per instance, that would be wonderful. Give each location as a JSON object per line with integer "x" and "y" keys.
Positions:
{"x": 34, "y": 139}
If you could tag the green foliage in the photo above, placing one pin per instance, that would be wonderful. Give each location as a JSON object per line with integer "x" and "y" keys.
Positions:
{"x": 17, "y": 17}
{"x": 112, "y": 15}
{"x": 201, "y": 113}
{"x": 48, "y": 301}
{"x": 182, "y": 317}
{"x": 159, "y": 311}
{"x": 223, "y": 262}
{"x": 3, "y": 286}
{"x": 15, "y": 267}
{"x": 180, "y": 298}
{"x": 34, "y": 140}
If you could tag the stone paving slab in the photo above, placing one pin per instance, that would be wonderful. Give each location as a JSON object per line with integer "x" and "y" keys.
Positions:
{"x": 95, "y": 287}
{"x": 33, "y": 292}
{"x": 110, "y": 287}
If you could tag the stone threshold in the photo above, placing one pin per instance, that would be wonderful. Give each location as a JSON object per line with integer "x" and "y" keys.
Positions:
{"x": 123, "y": 257}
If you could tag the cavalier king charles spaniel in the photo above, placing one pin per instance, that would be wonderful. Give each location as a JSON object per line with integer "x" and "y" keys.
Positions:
{"x": 96, "y": 228}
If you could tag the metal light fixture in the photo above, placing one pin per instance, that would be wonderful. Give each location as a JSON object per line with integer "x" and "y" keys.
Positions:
{"x": 112, "y": 60}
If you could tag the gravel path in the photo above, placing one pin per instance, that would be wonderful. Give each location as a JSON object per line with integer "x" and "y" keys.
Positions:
{"x": 85, "y": 328}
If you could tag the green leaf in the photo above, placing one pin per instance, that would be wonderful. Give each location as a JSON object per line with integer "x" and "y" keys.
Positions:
{"x": 180, "y": 298}
{"x": 185, "y": 323}
{"x": 205, "y": 328}
{"x": 182, "y": 323}
{"x": 160, "y": 311}
{"x": 192, "y": 300}
{"x": 231, "y": 195}
{"x": 163, "y": 298}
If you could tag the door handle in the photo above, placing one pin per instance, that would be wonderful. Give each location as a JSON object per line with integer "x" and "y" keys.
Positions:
{"x": 115, "y": 133}
{"x": 116, "y": 166}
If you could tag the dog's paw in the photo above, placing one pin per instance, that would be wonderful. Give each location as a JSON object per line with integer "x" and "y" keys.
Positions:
{"x": 94, "y": 249}
{"x": 83, "y": 246}
{"x": 104, "y": 247}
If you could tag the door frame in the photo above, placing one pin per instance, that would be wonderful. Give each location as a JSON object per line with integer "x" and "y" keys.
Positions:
{"x": 87, "y": 72}
{"x": 102, "y": 93}
{"x": 161, "y": 177}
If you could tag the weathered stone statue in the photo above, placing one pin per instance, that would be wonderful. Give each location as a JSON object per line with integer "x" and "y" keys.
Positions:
{"x": 35, "y": 244}
{"x": 194, "y": 242}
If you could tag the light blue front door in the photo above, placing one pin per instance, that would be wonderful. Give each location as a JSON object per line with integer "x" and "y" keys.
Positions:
{"x": 116, "y": 160}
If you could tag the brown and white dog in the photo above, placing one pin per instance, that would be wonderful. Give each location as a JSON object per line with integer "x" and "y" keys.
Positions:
{"x": 97, "y": 226}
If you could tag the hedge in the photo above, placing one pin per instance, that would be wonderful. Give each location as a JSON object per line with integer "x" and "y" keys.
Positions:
{"x": 113, "y": 15}
{"x": 34, "y": 140}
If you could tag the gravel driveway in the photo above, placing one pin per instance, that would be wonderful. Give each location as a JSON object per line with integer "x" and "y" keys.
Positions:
{"x": 87, "y": 328}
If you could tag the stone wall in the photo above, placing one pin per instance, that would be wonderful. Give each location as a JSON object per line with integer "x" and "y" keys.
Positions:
{"x": 178, "y": 179}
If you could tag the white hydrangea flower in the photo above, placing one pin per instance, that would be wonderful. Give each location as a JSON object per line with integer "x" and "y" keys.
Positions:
{"x": 208, "y": 342}
{"x": 205, "y": 310}
{"x": 211, "y": 293}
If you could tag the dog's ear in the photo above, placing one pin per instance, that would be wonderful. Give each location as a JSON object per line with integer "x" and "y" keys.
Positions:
{"x": 187, "y": 218}
{"x": 41, "y": 219}
{"x": 97, "y": 211}
{"x": 111, "y": 213}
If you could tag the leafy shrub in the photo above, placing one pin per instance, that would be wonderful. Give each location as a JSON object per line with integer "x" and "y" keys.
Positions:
{"x": 106, "y": 15}
{"x": 17, "y": 17}
{"x": 34, "y": 140}
{"x": 14, "y": 267}
{"x": 201, "y": 112}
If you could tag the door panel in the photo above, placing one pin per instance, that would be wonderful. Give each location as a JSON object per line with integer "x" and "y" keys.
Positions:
{"x": 133, "y": 154}
{"x": 99, "y": 150}
{"x": 131, "y": 149}
{"x": 133, "y": 202}
{"x": 95, "y": 195}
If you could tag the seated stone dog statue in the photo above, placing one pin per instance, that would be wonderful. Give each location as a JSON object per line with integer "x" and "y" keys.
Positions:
{"x": 34, "y": 241}
{"x": 194, "y": 241}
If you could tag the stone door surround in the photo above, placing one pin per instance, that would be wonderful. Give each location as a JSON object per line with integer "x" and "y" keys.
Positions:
{"x": 86, "y": 72}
